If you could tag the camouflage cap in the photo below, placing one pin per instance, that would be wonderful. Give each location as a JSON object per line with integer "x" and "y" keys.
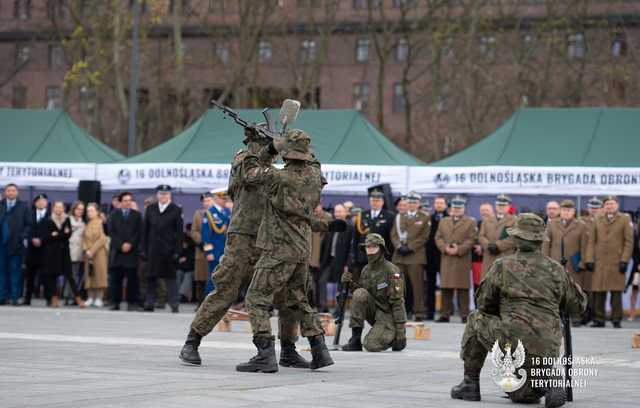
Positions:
{"x": 529, "y": 227}
{"x": 373, "y": 239}
{"x": 294, "y": 145}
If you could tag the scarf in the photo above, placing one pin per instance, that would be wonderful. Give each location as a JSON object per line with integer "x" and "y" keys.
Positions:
{"x": 59, "y": 220}
{"x": 402, "y": 235}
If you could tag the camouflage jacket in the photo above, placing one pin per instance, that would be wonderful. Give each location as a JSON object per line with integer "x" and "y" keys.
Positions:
{"x": 248, "y": 197}
{"x": 383, "y": 281}
{"x": 290, "y": 196}
{"x": 527, "y": 290}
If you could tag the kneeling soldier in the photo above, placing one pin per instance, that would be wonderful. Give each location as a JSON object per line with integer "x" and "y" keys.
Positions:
{"x": 378, "y": 299}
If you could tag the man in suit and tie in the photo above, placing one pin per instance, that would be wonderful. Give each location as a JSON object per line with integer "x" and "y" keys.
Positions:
{"x": 35, "y": 254}
{"x": 376, "y": 220}
{"x": 125, "y": 227}
{"x": 15, "y": 221}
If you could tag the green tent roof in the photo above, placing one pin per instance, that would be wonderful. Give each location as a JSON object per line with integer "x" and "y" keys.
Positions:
{"x": 590, "y": 137}
{"x": 34, "y": 135}
{"x": 338, "y": 137}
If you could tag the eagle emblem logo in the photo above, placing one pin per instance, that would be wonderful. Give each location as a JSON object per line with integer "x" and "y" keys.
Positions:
{"x": 505, "y": 365}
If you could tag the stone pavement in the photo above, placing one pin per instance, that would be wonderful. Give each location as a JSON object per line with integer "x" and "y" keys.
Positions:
{"x": 98, "y": 359}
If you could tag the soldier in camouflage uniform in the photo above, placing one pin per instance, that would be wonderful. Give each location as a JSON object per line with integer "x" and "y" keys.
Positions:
{"x": 378, "y": 299}
{"x": 284, "y": 236}
{"x": 236, "y": 267}
{"x": 520, "y": 298}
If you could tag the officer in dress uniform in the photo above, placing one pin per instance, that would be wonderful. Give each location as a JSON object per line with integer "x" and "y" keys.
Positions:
{"x": 376, "y": 220}
{"x": 214, "y": 229}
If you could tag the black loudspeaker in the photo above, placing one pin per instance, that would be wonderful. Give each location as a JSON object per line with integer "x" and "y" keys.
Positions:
{"x": 386, "y": 190}
{"x": 89, "y": 191}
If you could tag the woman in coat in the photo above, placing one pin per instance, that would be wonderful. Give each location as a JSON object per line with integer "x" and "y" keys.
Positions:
{"x": 76, "y": 220}
{"x": 94, "y": 245}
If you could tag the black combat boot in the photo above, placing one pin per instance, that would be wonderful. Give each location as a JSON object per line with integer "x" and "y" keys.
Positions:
{"x": 554, "y": 397}
{"x": 289, "y": 357}
{"x": 320, "y": 356}
{"x": 265, "y": 360}
{"x": 355, "y": 342}
{"x": 469, "y": 388}
{"x": 189, "y": 353}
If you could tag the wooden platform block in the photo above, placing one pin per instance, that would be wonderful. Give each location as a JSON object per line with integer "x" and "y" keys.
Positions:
{"x": 239, "y": 315}
{"x": 224, "y": 325}
{"x": 420, "y": 330}
{"x": 635, "y": 340}
{"x": 328, "y": 324}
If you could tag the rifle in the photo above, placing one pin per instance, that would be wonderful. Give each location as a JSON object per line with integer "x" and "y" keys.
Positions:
{"x": 342, "y": 302}
{"x": 288, "y": 115}
{"x": 566, "y": 325}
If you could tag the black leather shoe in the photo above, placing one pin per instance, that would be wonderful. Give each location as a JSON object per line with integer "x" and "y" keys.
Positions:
{"x": 189, "y": 354}
{"x": 442, "y": 319}
{"x": 148, "y": 309}
{"x": 597, "y": 324}
{"x": 467, "y": 390}
{"x": 617, "y": 325}
{"x": 355, "y": 342}
{"x": 464, "y": 320}
{"x": 114, "y": 307}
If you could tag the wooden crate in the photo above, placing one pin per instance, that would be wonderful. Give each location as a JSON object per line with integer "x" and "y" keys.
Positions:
{"x": 420, "y": 330}
{"x": 635, "y": 340}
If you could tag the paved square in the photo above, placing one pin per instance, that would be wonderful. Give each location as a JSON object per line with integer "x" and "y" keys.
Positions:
{"x": 98, "y": 359}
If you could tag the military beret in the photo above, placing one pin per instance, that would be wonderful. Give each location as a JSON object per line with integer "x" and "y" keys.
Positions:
{"x": 503, "y": 199}
{"x": 39, "y": 197}
{"x": 567, "y": 204}
{"x": 414, "y": 196}
{"x": 205, "y": 195}
{"x": 594, "y": 202}
{"x": 610, "y": 198}
{"x": 458, "y": 202}
{"x": 165, "y": 188}
{"x": 376, "y": 194}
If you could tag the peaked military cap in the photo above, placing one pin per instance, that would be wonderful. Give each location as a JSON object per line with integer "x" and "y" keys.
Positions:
{"x": 594, "y": 202}
{"x": 503, "y": 199}
{"x": 219, "y": 192}
{"x": 414, "y": 196}
{"x": 165, "y": 188}
{"x": 458, "y": 202}
{"x": 610, "y": 198}
{"x": 205, "y": 195}
{"x": 376, "y": 193}
{"x": 529, "y": 227}
{"x": 373, "y": 239}
{"x": 39, "y": 197}
{"x": 567, "y": 204}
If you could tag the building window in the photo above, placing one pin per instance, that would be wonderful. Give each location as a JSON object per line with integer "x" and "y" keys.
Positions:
{"x": 576, "y": 47}
{"x": 22, "y": 9}
{"x": 22, "y": 54}
{"x": 398, "y": 98}
{"x": 54, "y": 97}
{"x": 264, "y": 50}
{"x": 308, "y": 3}
{"x": 221, "y": 51}
{"x": 361, "y": 95}
{"x": 362, "y": 50}
{"x": 57, "y": 9}
{"x": 216, "y": 6}
{"x": 56, "y": 57}
{"x": 19, "y": 100}
{"x": 619, "y": 45}
{"x": 402, "y": 50}
{"x": 363, "y": 4}
{"x": 488, "y": 46}
{"x": 307, "y": 51}
{"x": 403, "y": 3}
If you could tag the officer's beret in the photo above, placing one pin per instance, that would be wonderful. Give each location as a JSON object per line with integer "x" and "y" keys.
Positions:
{"x": 503, "y": 199}
{"x": 458, "y": 202}
{"x": 594, "y": 202}
{"x": 165, "y": 188}
{"x": 567, "y": 204}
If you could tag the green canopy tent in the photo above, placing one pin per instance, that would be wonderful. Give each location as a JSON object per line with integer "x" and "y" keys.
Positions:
{"x": 575, "y": 151}
{"x": 338, "y": 137}
{"x": 45, "y": 148}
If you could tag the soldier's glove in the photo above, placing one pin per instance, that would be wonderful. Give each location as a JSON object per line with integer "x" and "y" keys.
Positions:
{"x": 623, "y": 267}
{"x": 493, "y": 249}
{"x": 272, "y": 149}
{"x": 404, "y": 250}
{"x": 589, "y": 266}
{"x": 201, "y": 246}
{"x": 346, "y": 277}
{"x": 337, "y": 226}
{"x": 400, "y": 341}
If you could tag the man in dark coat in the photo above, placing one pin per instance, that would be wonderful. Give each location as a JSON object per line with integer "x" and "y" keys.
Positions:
{"x": 335, "y": 256}
{"x": 125, "y": 228}
{"x": 35, "y": 254}
{"x": 15, "y": 221}
{"x": 377, "y": 220}
{"x": 433, "y": 255}
{"x": 162, "y": 245}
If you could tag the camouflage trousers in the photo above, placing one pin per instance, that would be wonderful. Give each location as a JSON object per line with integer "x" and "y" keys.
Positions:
{"x": 383, "y": 329}
{"x": 233, "y": 273}
{"x": 283, "y": 283}
{"x": 480, "y": 333}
